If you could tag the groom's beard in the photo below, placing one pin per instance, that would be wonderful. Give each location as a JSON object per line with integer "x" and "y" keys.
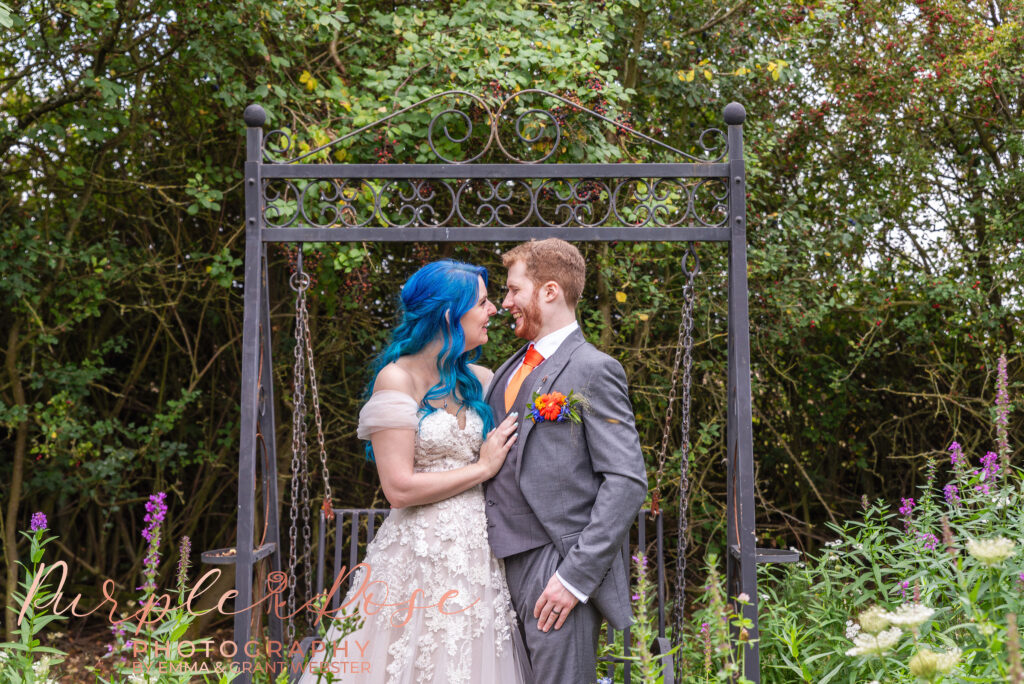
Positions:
{"x": 528, "y": 326}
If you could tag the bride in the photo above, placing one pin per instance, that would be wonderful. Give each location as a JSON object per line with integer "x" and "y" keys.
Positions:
{"x": 431, "y": 602}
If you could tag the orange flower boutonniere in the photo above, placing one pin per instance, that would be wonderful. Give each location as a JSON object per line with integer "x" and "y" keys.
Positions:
{"x": 555, "y": 406}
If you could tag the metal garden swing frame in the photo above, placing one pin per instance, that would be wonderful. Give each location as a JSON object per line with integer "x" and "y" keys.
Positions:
{"x": 288, "y": 200}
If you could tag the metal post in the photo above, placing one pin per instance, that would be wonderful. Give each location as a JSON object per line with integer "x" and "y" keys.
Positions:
{"x": 255, "y": 117}
{"x": 741, "y": 564}
{"x": 268, "y": 428}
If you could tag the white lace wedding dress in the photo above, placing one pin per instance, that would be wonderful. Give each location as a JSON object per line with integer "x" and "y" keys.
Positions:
{"x": 439, "y": 548}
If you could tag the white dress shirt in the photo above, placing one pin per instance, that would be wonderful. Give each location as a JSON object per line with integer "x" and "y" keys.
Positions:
{"x": 546, "y": 346}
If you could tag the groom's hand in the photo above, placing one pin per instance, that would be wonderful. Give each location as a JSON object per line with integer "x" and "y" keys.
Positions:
{"x": 553, "y": 606}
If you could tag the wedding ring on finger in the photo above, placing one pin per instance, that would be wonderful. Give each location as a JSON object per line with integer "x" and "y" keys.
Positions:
{"x": 556, "y": 611}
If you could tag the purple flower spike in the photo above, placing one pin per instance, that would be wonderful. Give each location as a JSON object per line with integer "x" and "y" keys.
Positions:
{"x": 989, "y": 465}
{"x": 930, "y": 541}
{"x": 156, "y": 512}
{"x": 952, "y": 494}
{"x": 38, "y": 523}
{"x": 989, "y": 468}
{"x": 184, "y": 562}
{"x": 705, "y": 629}
{"x": 1002, "y": 412}
{"x": 956, "y": 455}
{"x": 907, "y": 508}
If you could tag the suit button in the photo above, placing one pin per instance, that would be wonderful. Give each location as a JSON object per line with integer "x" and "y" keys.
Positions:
{"x": 490, "y": 503}
{"x": 490, "y": 524}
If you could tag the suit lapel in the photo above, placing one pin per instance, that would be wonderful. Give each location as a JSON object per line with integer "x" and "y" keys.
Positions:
{"x": 540, "y": 380}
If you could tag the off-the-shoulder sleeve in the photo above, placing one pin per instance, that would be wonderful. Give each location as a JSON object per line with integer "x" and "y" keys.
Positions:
{"x": 386, "y": 410}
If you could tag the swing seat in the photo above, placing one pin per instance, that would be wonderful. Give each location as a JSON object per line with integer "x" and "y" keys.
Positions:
{"x": 354, "y": 528}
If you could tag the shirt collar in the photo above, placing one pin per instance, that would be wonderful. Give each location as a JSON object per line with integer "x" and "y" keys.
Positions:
{"x": 550, "y": 343}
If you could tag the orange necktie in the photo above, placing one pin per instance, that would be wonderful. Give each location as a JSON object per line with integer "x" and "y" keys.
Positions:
{"x": 532, "y": 360}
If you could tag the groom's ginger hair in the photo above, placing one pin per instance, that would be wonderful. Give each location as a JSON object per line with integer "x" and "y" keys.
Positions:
{"x": 551, "y": 259}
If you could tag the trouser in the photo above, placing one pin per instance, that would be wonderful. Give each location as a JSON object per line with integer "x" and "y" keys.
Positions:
{"x": 567, "y": 655}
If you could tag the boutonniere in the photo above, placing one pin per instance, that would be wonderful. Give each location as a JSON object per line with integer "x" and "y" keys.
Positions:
{"x": 555, "y": 406}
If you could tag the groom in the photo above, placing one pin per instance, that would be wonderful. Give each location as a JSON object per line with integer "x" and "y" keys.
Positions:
{"x": 562, "y": 505}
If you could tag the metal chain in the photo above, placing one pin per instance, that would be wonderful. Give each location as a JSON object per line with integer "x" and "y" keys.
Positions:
{"x": 685, "y": 341}
{"x": 684, "y": 354}
{"x": 299, "y": 282}
{"x": 307, "y": 534}
{"x": 670, "y": 411}
{"x": 316, "y": 411}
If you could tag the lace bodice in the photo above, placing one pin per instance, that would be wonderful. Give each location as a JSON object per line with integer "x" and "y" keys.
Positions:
{"x": 440, "y": 443}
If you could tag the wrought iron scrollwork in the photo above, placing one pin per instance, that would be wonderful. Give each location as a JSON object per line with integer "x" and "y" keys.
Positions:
{"x": 492, "y": 202}
{"x": 466, "y": 121}
{"x": 407, "y": 203}
{"x": 439, "y": 202}
{"x": 564, "y": 202}
{"x": 466, "y": 131}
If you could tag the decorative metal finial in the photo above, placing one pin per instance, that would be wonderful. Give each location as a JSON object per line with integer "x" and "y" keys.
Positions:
{"x": 255, "y": 116}
{"x": 735, "y": 114}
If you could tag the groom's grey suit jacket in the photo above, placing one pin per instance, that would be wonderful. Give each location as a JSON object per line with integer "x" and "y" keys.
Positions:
{"x": 582, "y": 485}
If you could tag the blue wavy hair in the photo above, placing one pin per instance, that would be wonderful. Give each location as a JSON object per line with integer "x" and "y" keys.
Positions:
{"x": 433, "y": 301}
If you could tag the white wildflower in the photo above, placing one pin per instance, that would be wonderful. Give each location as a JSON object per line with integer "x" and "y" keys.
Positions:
{"x": 927, "y": 663}
{"x": 874, "y": 619}
{"x": 852, "y": 629}
{"x": 949, "y": 660}
{"x": 991, "y": 552}
{"x": 911, "y": 615}
{"x": 41, "y": 667}
{"x": 743, "y": 598}
{"x": 875, "y": 644}
{"x": 986, "y": 629}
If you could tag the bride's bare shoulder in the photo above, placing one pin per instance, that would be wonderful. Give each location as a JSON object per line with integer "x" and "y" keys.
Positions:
{"x": 394, "y": 377}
